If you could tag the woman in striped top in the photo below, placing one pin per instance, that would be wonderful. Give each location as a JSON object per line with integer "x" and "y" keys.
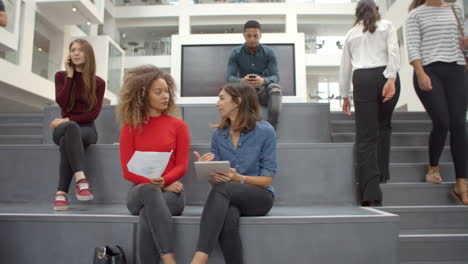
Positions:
{"x": 435, "y": 52}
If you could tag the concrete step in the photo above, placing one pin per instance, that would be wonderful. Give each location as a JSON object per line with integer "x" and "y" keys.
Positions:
{"x": 21, "y": 129}
{"x": 416, "y": 172}
{"x": 347, "y": 126}
{"x": 434, "y": 248}
{"x": 395, "y": 116}
{"x": 399, "y": 139}
{"x": 20, "y": 118}
{"x": 422, "y": 194}
{"x": 416, "y": 155}
{"x": 20, "y": 139}
{"x": 307, "y": 174}
{"x": 442, "y": 219}
{"x": 298, "y": 123}
{"x": 312, "y": 234}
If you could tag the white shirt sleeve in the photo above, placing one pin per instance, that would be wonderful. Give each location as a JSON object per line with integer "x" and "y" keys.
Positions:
{"x": 393, "y": 49}
{"x": 346, "y": 69}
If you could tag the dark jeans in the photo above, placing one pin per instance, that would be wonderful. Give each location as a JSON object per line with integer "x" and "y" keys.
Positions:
{"x": 156, "y": 208}
{"x": 72, "y": 138}
{"x": 373, "y": 130}
{"x": 271, "y": 97}
{"x": 226, "y": 202}
{"x": 446, "y": 105}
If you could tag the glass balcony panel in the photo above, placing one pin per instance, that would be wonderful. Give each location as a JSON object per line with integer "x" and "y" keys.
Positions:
{"x": 10, "y": 10}
{"x": 235, "y": 1}
{"x": 143, "y": 2}
{"x": 157, "y": 47}
{"x": 114, "y": 79}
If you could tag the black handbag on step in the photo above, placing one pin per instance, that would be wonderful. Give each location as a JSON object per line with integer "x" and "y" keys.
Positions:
{"x": 108, "y": 255}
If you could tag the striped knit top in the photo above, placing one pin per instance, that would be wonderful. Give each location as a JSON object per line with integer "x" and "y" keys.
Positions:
{"x": 433, "y": 35}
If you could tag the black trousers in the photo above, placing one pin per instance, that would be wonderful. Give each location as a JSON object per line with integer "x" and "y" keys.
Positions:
{"x": 226, "y": 202}
{"x": 271, "y": 97}
{"x": 155, "y": 208}
{"x": 72, "y": 138}
{"x": 446, "y": 105}
{"x": 373, "y": 130}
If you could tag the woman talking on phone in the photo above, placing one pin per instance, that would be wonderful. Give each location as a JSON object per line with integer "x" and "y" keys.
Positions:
{"x": 79, "y": 93}
{"x": 249, "y": 144}
{"x": 147, "y": 112}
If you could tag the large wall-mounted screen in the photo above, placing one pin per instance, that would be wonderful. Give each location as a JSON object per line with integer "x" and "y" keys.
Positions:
{"x": 203, "y": 70}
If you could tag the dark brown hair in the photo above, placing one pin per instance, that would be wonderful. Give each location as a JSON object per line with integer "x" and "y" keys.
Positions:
{"x": 367, "y": 11}
{"x": 246, "y": 97}
{"x": 416, "y": 3}
{"x": 133, "y": 107}
{"x": 89, "y": 76}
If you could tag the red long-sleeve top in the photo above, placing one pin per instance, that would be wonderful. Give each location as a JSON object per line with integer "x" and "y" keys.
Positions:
{"x": 160, "y": 134}
{"x": 79, "y": 113}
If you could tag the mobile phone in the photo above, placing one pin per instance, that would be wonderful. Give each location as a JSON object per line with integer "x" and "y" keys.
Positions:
{"x": 252, "y": 76}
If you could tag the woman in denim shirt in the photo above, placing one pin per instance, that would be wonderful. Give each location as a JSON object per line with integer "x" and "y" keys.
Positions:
{"x": 249, "y": 144}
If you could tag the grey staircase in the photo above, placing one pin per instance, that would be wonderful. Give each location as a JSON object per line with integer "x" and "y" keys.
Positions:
{"x": 433, "y": 226}
{"x": 20, "y": 129}
{"x": 315, "y": 219}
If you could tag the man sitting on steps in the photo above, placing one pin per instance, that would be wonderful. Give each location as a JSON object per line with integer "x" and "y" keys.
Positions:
{"x": 256, "y": 64}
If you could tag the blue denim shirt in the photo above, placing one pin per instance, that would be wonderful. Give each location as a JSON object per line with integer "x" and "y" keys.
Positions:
{"x": 255, "y": 154}
{"x": 262, "y": 63}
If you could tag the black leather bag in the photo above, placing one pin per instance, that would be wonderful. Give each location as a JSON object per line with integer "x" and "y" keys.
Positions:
{"x": 108, "y": 255}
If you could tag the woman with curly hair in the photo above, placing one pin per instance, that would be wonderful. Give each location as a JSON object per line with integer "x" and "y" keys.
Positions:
{"x": 79, "y": 93}
{"x": 371, "y": 56}
{"x": 147, "y": 114}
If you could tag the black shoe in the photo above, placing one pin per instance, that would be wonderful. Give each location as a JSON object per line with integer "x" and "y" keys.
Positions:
{"x": 376, "y": 203}
{"x": 366, "y": 203}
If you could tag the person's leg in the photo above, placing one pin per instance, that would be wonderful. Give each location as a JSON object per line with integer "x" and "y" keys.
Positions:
{"x": 275, "y": 104}
{"x": 229, "y": 239}
{"x": 88, "y": 136}
{"x": 251, "y": 201}
{"x": 385, "y": 125}
{"x": 65, "y": 172}
{"x": 435, "y": 103}
{"x": 366, "y": 96}
{"x": 155, "y": 232}
{"x": 456, "y": 91}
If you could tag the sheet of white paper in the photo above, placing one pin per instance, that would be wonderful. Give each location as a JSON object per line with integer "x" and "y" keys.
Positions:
{"x": 148, "y": 164}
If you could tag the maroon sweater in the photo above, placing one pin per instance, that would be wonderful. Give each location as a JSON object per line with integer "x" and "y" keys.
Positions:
{"x": 79, "y": 113}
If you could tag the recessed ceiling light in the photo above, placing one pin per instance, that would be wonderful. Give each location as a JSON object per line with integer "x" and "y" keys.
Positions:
{"x": 74, "y": 9}
{"x": 89, "y": 23}
{"x": 123, "y": 35}
{"x": 39, "y": 49}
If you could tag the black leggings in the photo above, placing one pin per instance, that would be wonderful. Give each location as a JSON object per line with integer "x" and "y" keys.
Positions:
{"x": 446, "y": 104}
{"x": 220, "y": 219}
{"x": 73, "y": 138}
{"x": 373, "y": 130}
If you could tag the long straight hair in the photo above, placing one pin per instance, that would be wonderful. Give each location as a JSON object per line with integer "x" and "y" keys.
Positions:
{"x": 89, "y": 76}
{"x": 246, "y": 97}
{"x": 415, "y": 4}
{"x": 367, "y": 11}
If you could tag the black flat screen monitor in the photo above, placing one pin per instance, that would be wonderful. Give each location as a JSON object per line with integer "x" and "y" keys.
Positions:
{"x": 204, "y": 68}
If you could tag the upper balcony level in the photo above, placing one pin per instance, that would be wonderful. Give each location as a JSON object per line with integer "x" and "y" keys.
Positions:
{"x": 122, "y": 9}
{"x": 72, "y": 12}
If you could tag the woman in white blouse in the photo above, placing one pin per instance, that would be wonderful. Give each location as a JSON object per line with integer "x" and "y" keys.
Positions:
{"x": 371, "y": 56}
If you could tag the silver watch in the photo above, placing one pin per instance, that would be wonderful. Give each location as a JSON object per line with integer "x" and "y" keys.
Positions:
{"x": 242, "y": 180}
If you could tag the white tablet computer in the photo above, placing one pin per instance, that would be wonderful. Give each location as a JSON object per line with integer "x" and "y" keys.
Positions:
{"x": 204, "y": 168}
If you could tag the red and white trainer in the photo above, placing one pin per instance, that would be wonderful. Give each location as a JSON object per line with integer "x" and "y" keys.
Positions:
{"x": 61, "y": 203}
{"x": 83, "y": 193}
